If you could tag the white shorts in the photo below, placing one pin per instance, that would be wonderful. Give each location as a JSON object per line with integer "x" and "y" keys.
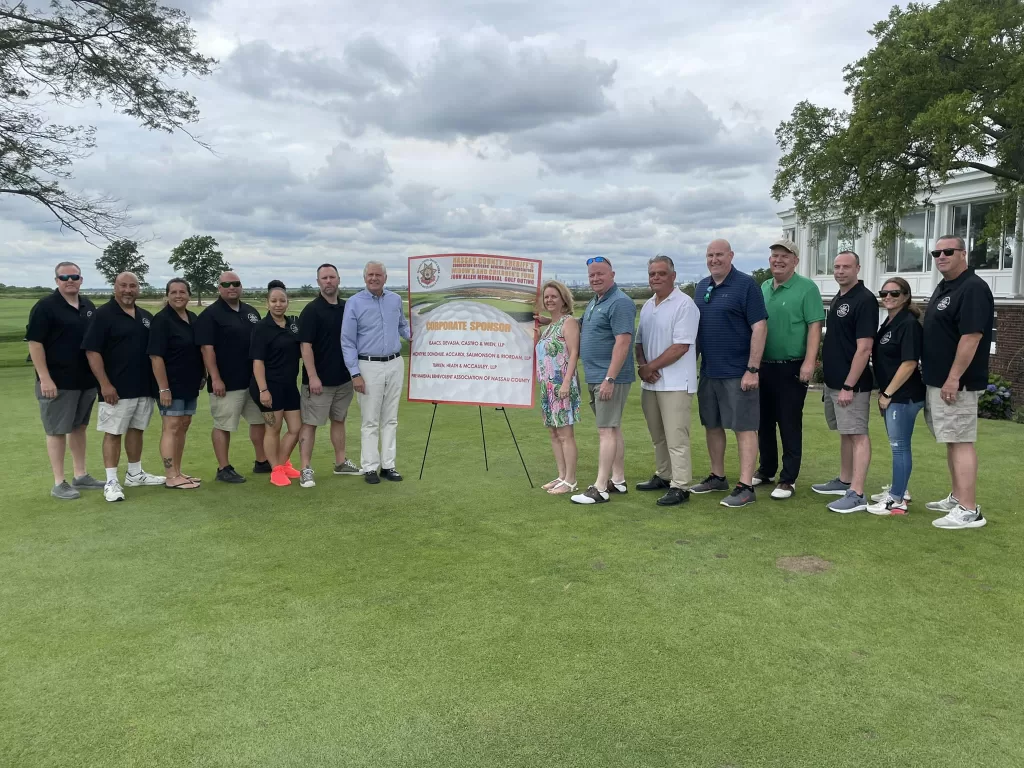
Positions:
{"x": 228, "y": 410}
{"x": 129, "y": 413}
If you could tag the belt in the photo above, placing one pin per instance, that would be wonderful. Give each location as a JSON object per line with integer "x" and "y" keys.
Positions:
{"x": 378, "y": 358}
{"x": 777, "y": 362}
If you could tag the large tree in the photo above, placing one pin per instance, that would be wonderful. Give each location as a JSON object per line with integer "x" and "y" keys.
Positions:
{"x": 941, "y": 92}
{"x": 122, "y": 256}
{"x": 71, "y": 52}
{"x": 199, "y": 260}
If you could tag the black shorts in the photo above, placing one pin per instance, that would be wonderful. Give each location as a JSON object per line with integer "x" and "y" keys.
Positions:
{"x": 284, "y": 396}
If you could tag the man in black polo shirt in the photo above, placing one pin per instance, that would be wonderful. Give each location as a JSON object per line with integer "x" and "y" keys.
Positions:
{"x": 116, "y": 345}
{"x": 326, "y": 383}
{"x": 954, "y": 366}
{"x": 223, "y": 333}
{"x": 849, "y": 336}
{"x": 65, "y": 387}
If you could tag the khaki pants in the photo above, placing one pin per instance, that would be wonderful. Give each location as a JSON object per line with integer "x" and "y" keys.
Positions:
{"x": 379, "y": 411}
{"x": 668, "y": 419}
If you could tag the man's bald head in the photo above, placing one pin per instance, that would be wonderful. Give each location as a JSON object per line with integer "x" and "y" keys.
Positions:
{"x": 719, "y": 259}
{"x": 232, "y": 293}
{"x": 126, "y": 289}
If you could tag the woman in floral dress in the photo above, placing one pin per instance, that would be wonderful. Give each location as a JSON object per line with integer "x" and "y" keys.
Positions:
{"x": 558, "y": 350}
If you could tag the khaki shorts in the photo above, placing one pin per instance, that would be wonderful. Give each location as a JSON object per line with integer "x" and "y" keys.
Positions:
{"x": 332, "y": 403}
{"x": 129, "y": 413}
{"x": 608, "y": 413}
{"x": 228, "y": 410}
{"x": 955, "y": 422}
{"x": 851, "y": 420}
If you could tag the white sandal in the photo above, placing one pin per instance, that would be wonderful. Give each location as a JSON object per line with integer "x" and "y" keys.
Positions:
{"x": 570, "y": 488}
{"x": 553, "y": 484}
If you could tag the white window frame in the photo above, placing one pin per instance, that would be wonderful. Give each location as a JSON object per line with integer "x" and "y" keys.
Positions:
{"x": 1008, "y": 233}
{"x": 841, "y": 245}
{"x": 929, "y": 238}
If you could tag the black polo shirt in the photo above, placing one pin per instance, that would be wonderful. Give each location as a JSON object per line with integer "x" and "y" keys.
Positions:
{"x": 278, "y": 348}
{"x": 958, "y": 307}
{"x": 229, "y": 332}
{"x": 123, "y": 341}
{"x": 898, "y": 340}
{"x": 175, "y": 341}
{"x": 852, "y": 316}
{"x": 60, "y": 328}
{"x": 320, "y": 325}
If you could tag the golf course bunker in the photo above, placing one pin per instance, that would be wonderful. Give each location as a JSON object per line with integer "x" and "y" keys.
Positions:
{"x": 803, "y": 564}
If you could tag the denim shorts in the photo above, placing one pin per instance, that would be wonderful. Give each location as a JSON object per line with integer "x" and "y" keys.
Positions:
{"x": 180, "y": 407}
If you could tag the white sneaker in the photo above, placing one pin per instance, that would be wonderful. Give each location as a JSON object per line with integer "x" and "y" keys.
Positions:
{"x": 959, "y": 517}
{"x": 112, "y": 491}
{"x": 885, "y": 494}
{"x": 306, "y": 478}
{"x": 783, "y": 491}
{"x": 888, "y": 506}
{"x": 143, "y": 478}
{"x": 948, "y": 504}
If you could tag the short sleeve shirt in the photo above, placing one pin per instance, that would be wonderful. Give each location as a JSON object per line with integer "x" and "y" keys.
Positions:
{"x": 60, "y": 328}
{"x": 792, "y": 307}
{"x": 674, "y": 321}
{"x": 123, "y": 341}
{"x": 174, "y": 340}
{"x": 278, "y": 348}
{"x": 605, "y": 318}
{"x": 852, "y": 316}
{"x": 727, "y": 318}
{"x": 897, "y": 341}
{"x": 956, "y": 308}
{"x": 320, "y": 326}
{"x": 229, "y": 332}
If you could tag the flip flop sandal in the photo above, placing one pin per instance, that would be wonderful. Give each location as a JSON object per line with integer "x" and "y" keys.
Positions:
{"x": 188, "y": 485}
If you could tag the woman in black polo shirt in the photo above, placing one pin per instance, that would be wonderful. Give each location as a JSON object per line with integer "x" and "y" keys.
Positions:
{"x": 895, "y": 356}
{"x": 180, "y": 374}
{"x": 275, "y": 354}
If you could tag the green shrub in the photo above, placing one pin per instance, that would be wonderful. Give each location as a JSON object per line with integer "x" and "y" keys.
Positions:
{"x": 996, "y": 400}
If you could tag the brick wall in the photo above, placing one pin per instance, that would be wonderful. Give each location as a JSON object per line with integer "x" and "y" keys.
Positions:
{"x": 1008, "y": 361}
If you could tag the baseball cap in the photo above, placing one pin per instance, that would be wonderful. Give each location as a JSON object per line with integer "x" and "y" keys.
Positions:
{"x": 789, "y": 245}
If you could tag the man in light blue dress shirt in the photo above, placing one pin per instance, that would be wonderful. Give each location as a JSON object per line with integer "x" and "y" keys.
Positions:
{"x": 371, "y": 343}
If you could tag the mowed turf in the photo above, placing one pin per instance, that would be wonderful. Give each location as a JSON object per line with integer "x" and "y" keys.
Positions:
{"x": 469, "y": 620}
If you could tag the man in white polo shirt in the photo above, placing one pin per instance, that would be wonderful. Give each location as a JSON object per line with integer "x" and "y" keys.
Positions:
{"x": 667, "y": 358}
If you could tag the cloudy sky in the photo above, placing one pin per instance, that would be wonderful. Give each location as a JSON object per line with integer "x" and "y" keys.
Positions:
{"x": 344, "y": 131}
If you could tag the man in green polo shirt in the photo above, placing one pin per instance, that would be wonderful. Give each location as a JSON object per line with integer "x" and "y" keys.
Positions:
{"x": 795, "y": 316}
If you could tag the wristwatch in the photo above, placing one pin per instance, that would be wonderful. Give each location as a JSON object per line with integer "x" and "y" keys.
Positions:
{"x": 886, "y": 395}
{"x": 847, "y": 388}
{"x": 610, "y": 378}
{"x": 752, "y": 369}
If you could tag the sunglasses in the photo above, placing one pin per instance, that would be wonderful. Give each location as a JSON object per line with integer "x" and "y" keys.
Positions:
{"x": 597, "y": 260}
{"x": 707, "y": 295}
{"x": 891, "y": 294}
{"x": 72, "y": 278}
{"x": 945, "y": 252}
{"x": 231, "y": 284}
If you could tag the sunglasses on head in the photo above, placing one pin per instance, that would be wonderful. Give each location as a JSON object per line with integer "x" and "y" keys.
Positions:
{"x": 945, "y": 252}
{"x": 72, "y": 278}
{"x": 231, "y": 284}
{"x": 891, "y": 294}
{"x": 597, "y": 260}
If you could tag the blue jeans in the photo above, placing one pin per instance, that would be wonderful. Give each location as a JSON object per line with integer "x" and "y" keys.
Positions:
{"x": 899, "y": 425}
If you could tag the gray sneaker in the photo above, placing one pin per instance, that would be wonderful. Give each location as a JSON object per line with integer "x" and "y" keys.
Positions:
{"x": 709, "y": 484}
{"x": 306, "y": 478}
{"x": 851, "y": 502}
{"x": 834, "y": 487}
{"x": 64, "y": 491}
{"x": 346, "y": 468}
{"x": 87, "y": 483}
{"x": 740, "y": 497}
{"x": 947, "y": 504}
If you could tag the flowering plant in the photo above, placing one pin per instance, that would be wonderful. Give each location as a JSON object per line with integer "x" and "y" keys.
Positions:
{"x": 995, "y": 401}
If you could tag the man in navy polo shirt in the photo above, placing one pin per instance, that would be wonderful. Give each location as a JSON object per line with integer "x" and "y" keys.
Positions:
{"x": 730, "y": 341}
{"x": 606, "y": 349}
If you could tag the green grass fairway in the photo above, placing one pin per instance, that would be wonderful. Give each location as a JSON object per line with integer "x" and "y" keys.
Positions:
{"x": 466, "y": 620}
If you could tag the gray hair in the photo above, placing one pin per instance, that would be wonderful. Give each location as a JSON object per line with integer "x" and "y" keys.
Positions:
{"x": 960, "y": 244}
{"x": 374, "y": 264}
{"x": 56, "y": 270}
{"x": 664, "y": 260}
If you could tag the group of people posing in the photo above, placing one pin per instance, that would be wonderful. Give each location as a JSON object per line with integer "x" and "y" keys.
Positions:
{"x": 758, "y": 350}
{"x": 137, "y": 361}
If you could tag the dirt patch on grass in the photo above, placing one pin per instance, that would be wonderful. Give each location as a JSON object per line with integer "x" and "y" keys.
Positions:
{"x": 803, "y": 564}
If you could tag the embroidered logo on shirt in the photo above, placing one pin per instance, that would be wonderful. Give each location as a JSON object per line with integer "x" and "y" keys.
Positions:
{"x": 943, "y": 303}
{"x": 843, "y": 311}
{"x": 145, "y": 321}
{"x": 88, "y": 313}
{"x": 253, "y": 318}
{"x": 293, "y": 328}
{"x": 885, "y": 339}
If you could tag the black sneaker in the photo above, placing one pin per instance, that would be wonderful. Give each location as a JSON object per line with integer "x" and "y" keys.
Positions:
{"x": 372, "y": 478}
{"x": 261, "y": 468}
{"x": 654, "y": 484}
{"x": 391, "y": 474}
{"x": 674, "y": 496}
{"x": 228, "y": 475}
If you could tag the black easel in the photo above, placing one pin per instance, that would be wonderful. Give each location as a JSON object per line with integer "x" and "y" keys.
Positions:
{"x": 483, "y": 439}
